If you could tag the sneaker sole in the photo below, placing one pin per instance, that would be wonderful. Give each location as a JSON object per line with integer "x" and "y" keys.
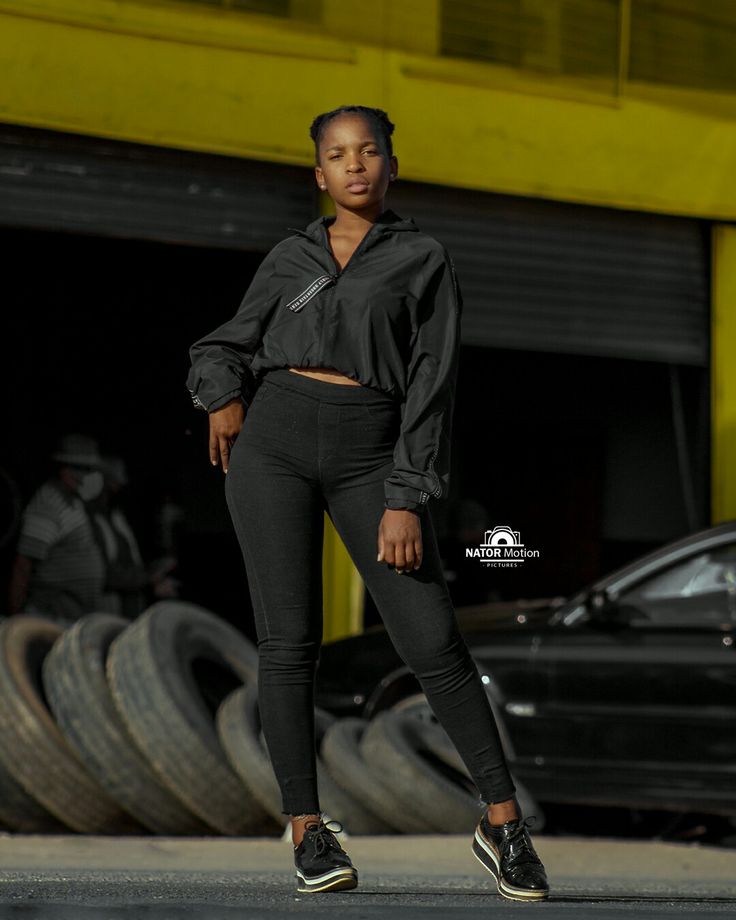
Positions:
{"x": 487, "y": 857}
{"x": 336, "y": 880}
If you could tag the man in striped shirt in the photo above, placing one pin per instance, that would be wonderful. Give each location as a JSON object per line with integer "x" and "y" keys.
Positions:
{"x": 59, "y": 570}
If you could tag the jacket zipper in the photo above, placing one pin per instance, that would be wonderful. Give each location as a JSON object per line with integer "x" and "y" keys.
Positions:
{"x": 323, "y": 281}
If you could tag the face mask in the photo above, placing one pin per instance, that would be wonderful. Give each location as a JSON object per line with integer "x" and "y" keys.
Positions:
{"x": 89, "y": 485}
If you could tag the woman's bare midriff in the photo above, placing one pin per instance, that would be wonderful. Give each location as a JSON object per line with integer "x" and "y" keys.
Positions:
{"x": 328, "y": 374}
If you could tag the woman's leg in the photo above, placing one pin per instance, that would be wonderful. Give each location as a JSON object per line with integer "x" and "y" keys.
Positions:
{"x": 278, "y": 513}
{"x": 419, "y": 616}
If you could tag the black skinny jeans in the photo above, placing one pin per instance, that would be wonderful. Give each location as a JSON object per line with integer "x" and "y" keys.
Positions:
{"x": 307, "y": 446}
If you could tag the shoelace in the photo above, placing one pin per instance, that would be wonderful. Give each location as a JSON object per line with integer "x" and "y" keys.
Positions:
{"x": 324, "y": 836}
{"x": 526, "y": 853}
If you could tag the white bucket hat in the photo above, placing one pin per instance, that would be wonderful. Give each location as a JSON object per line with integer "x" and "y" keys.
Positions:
{"x": 77, "y": 450}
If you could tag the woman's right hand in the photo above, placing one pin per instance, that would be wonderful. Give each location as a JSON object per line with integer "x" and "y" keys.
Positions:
{"x": 225, "y": 425}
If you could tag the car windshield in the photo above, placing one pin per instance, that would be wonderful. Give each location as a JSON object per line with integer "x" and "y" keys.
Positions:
{"x": 697, "y": 590}
{"x": 711, "y": 571}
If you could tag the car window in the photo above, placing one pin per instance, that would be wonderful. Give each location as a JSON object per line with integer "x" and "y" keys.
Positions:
{"x": 696, "y": 591}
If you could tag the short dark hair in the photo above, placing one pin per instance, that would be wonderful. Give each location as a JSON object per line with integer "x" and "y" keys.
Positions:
{"x": 379, "y": 120}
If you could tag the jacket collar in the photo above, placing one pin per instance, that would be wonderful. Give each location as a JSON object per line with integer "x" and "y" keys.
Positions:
{"x": 387, "y": 221}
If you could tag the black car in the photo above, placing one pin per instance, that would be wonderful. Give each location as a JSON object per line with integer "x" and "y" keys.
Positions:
{"x": 622, "y": 695}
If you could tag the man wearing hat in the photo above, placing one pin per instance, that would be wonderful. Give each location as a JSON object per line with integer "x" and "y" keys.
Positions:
{"x": 59, "y": 570}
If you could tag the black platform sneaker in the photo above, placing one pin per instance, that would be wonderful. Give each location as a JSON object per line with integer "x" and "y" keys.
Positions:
{"x": 509, "y": 855}
{"x": 321, "y": 863}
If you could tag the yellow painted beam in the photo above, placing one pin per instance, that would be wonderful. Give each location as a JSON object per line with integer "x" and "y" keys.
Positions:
{"x": 723, "y": 375}
{"x": 344, "y": 591}
{"x": 193, "y": 77}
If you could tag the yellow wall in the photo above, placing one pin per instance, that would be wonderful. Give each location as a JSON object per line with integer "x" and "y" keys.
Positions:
{"x": 181, "y": 75}
{"x": 723, "y": 371}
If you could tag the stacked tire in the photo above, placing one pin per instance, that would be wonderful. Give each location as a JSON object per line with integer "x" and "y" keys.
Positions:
{"x": 153, "y": 727}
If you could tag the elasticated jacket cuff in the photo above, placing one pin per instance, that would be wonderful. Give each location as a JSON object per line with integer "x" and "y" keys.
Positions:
{"x": 216, "y": 403}
{"x": 405, "y": 498}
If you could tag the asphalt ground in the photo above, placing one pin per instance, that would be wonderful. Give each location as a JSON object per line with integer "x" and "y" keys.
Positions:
{"x": 78, "y": 877}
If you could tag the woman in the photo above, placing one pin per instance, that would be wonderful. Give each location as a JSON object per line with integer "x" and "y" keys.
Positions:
{"x": 351, "y": 327}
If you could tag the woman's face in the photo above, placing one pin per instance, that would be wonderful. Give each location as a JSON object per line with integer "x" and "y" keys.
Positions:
{"x": 354, "y": 169}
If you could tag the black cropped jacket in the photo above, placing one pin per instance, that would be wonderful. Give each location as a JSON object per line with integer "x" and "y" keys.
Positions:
{"x": 390, "y": 320}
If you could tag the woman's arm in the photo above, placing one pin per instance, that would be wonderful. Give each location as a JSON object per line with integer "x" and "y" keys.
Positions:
{"x": 422, "y": 453}
{"x": 221, "y": 360}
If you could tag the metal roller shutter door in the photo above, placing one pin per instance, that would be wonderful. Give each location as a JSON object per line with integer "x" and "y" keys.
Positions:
{"x": 56, "y": 181}
{"x": 567, "y": 278}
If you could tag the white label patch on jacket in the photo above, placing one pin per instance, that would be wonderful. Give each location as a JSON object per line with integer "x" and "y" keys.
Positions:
{"x": 314, "y": 288}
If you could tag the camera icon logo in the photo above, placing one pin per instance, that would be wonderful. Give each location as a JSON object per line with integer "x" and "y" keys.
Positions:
{"x": 502, "y": 535}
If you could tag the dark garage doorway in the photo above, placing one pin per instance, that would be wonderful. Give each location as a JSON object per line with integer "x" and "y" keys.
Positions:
{"x": 100, "y": 333}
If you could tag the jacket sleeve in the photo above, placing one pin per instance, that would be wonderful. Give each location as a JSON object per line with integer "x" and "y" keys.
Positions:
{"x": 220, "y": 362}
{"x": 423, "y": 450}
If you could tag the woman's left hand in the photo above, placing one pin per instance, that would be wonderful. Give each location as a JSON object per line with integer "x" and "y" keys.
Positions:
{"x": 400, "y": 540}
